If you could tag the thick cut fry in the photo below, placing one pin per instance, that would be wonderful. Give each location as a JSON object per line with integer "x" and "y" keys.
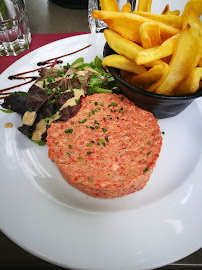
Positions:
{"x": 121, "y": 62}
{"x": 196, "y": 4}
{"x": 156, "y": 53}
{"x": 127, "y": 24}
{"x": 121, "y": 45}
{"x": 171, "y": 20}
{"x": 185, "y": 58}
{"x": 125, "y": 47}
{"x": 144, "y": 5}
{"x": 149, "y": 80}
{"x": 191, "y": 84}
{"x": 126, "y": 29}
{"x": 192, "y": 19}
{"x": 167, "y": 11}
{"x": 150, "y": 34}
{"x": 126, "y": 7}
{"x": 110, "y": 5}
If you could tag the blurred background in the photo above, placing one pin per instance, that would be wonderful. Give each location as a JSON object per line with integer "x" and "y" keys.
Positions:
{"x": 47, "y": 17}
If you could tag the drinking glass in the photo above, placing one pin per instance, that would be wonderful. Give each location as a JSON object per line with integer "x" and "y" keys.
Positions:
{"x": 97, "y": 26}
{"x": 15, "y": 35}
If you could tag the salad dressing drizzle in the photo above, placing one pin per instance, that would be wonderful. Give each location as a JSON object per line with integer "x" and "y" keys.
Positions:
{"x": 47, "y": 63}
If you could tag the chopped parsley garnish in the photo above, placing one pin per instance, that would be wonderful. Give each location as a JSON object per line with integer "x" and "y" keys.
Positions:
{"x": 121, "y": 110}
{"x": 77, "y": 101}
{"x": 163, "y": 132}
{"x": 52, "y": 101}
{"x": 70, "y": 147}
{"x": 70, "y": 130}
{"x": 93, "y": 112}
{"x": 89, "y": 152}
{"x": 114, "y": 104}
{"x": 67, "y": 66}
{"x": 73, "y": 78}
{"x": 44, "y": 83}
{"x": 146, "y": 169}
{"x": 50, "y": 79}
{"x": 83, "y": 121}
{"x": 96, "y": 103}
{"x": 106, "y": 139}
{"x": 61, "y": 73}
{"x": 90, "y": 144}
{"x": 104, "y": 129}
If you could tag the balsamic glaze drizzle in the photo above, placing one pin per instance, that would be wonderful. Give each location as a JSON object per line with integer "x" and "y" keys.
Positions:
{"x": 46, "y": 63}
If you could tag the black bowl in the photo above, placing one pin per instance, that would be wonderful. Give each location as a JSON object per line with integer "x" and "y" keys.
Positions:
{"x": 162, "y": 106}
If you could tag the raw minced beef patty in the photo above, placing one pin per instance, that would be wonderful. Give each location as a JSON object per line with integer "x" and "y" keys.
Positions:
{"x": 109, "y": 149}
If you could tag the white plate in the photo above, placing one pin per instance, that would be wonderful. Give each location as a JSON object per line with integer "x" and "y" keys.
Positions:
{"x": 52, "y": 220}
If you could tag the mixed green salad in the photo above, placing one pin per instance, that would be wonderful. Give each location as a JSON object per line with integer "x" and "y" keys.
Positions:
{"x": 56, "y": 95}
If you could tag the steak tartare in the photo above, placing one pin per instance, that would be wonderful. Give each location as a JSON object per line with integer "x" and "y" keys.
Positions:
{"x": 108, "y": 149}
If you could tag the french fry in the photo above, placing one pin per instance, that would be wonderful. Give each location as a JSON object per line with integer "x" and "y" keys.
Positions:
{"x": 146, "y": 43}
{"x": 191, "y": 18}
{"x": 191, "y": 84}
{"x": 125, "y": 47}
{"x": 144, "y": 5}
{"x": 163, "y": 71}
{"x": 165, "y": 49}
{"x": 167, "y": 11}
{"x": 121, "y": 45}
{"x": 150, "y": 34}
{"x": 109, "y": 5}
{"x": 171, "y": 20}
{"x": 149, "y": 80}
{"x": 126, "y": 7}
{"x": 123, "y": 23}
{"x": 185, "y": 58}
{"x": 127, "y": 24}
{"x": 196, "y": 4}
{"x": 121, "y": 62}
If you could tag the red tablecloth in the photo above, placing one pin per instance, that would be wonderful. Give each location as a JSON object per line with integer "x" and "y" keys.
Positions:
{"x": 38, "y": 40}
